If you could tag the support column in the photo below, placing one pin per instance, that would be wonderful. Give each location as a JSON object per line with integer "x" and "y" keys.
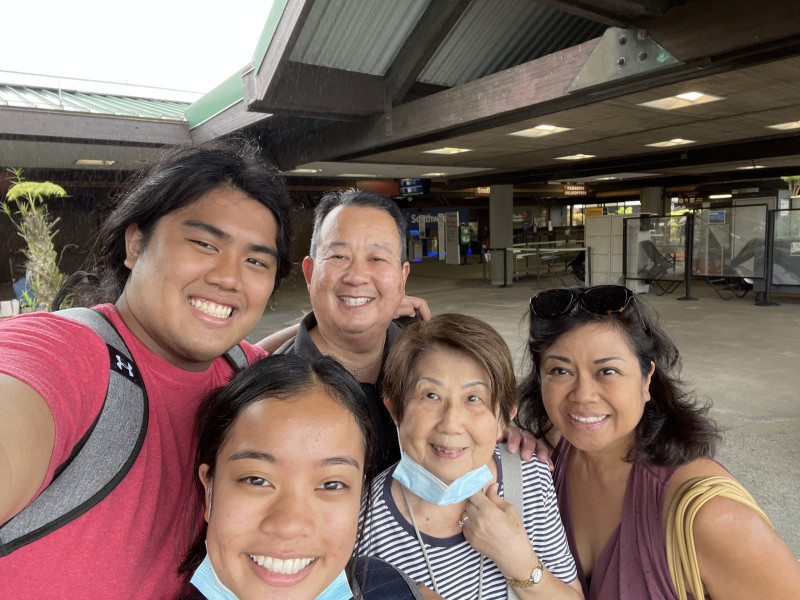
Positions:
{"x": 652, "y": 199}
{"x": 501, "y": 232}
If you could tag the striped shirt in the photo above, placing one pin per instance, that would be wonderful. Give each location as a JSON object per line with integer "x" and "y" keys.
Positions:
{"x": 455, "y": 564}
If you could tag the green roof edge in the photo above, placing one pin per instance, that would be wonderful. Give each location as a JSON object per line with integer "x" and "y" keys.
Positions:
{"x": 225, "y": 95}
{"x": 275, "y": 14}
{"x": 231, "y": 91}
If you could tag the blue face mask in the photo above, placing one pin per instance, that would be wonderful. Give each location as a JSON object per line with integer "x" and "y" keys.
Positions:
{"x": 208, "y": 584}
{"x": 338, "y": 590}
{"x": 418, "y": 480}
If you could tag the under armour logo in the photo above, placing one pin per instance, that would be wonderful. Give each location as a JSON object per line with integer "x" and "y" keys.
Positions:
{"x": 121, "y": 365}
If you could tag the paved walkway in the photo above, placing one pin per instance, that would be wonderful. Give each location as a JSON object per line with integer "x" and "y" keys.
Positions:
{"x": 744, "y": 357}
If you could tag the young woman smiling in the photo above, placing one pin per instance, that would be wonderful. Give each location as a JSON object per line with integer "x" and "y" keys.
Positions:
{"x": 281, "y": 460}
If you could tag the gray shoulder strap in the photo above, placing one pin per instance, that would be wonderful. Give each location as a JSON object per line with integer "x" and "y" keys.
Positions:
{"x": 512, "y": 488}
{"x": 237, "y": 358}
{"x": 101, "y": 459}
{"x": 512, "y": 478}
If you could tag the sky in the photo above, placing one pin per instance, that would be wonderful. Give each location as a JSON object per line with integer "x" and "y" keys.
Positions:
{"x": 173, "y": 44}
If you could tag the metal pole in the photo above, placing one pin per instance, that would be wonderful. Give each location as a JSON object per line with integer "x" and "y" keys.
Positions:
{"x": 769, "y": 249}
{"x": 688, "y": 258}
{"x": 505, "y": 267}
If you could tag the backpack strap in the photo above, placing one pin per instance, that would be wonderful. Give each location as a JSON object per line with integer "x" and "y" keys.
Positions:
{"x": 236, "y": 358}
{"x": 512, "y": 488}
{"x": 102, "y": 458}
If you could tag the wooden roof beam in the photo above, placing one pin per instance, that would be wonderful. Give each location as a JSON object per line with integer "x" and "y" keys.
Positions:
{"x": 506, "y": 96}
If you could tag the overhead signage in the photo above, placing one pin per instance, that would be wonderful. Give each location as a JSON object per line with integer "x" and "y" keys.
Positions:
{"x": 484, "y": 190}
{"x": 575, "y": 189}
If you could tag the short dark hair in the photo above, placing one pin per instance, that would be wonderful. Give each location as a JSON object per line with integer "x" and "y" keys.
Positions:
{"x": 674, "y": 428}
{"x": 279, "y": 376}
{"x": 183, "y": 176}
{"x": 360, "y": 198}
{"x": 462, "y": 333}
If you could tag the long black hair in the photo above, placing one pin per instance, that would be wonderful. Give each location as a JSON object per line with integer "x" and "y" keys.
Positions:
{"x": 182, "y": 177}
{"x": 279, "y": 376}
{"x": 675, "y": 427}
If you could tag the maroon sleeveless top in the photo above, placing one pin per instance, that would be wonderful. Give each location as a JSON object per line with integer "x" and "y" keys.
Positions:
{"x": 633, "y": 564}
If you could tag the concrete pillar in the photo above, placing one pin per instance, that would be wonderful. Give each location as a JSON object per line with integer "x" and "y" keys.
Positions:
{"x": 501, "y": 231}
{"x": 652, "y": 199}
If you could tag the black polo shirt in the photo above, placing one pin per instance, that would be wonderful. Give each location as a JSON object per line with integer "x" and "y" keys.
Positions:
{"x": 387, "y": 447}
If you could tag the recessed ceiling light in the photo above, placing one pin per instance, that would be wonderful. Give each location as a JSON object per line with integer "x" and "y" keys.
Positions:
{"x": 785, "y": 126}
{"x": 433, "y": 174}
{"x": 304, "y": 171}
{"x": 94, "y": 162}
{"x": 606, "y": 179}
{"x": 540, "y": 131}
{"x": 575, "y": 157}
{"x": 748, "y": 167}
{"x": 681, "y": 101}
{"x": 690, "y": 96}
{"x": 357, "y": 175}
{"x": 447, "y": 151}
{"x": 719, "y": 196}
{"x": 670, "y": 143}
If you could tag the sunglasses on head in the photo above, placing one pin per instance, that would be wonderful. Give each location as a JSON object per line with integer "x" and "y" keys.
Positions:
{"x": 600, "y": 300}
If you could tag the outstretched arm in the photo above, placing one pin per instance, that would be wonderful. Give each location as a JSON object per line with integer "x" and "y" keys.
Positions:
{"x": 274, "y": 341}
{"x": 27, "y": 434}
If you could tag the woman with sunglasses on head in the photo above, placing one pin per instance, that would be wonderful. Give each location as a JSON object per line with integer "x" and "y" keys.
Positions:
{"x": 282, "y": 460}
{"x": 444, "y": 514}
{"x": 605, "y": 390}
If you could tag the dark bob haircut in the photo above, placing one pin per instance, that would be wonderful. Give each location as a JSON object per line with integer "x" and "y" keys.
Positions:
{"x": 461, "y": 333}
{"x": 674, "y": 429}
{"x": 182, "y": 177}
{"x": 278, "y": 377}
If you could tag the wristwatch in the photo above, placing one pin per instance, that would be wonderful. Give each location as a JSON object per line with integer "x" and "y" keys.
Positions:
{"x": 535, "y": 577}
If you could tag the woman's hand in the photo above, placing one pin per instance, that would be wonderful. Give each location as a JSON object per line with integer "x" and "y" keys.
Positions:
{"x": 494, "y": 528}
{"x": 523, "y": 441}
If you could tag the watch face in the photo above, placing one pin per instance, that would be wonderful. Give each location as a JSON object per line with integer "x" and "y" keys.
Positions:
{"x": 538, "y": 573}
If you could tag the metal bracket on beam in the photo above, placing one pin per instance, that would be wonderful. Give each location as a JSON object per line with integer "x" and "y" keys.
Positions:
{"x": 622, "y": 53}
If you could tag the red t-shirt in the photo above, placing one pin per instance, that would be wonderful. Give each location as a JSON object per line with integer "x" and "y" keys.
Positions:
{"x": 130, "y": 544}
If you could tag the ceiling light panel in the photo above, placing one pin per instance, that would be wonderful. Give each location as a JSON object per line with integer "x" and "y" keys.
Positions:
{"x": 575, "y": 157}
{"x": 448, "y": 151}
{"x": 94, "y": 162}
{"x": 540, "y": 131}
{"x": 304, "y": 171}
{"x": 671, "y": 143}
{"x": 681, "y": 101}
{"x": 785, "y": 126}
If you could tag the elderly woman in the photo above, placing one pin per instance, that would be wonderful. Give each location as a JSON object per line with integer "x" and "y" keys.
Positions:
{"x": 605, "y": 376}
{"x": 440, "y": 514}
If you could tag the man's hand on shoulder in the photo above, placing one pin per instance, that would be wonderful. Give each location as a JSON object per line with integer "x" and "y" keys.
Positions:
{"x": 411, "y": 306}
